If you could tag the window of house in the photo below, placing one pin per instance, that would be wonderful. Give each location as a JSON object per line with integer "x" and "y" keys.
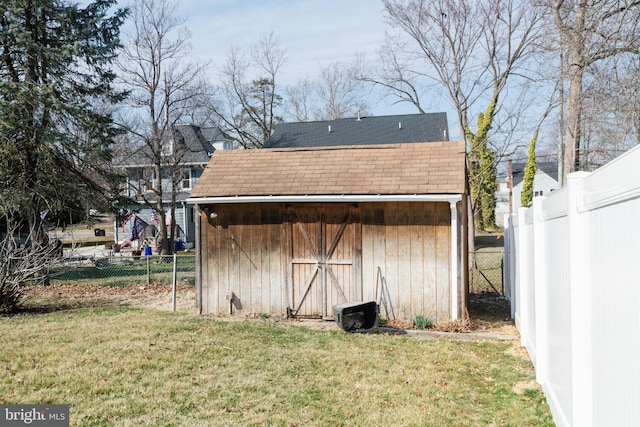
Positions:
{"x": 538, "y": 193}
{"x": 185, "y": 180}
{"x": 146, "y": 181}
{"x": 139, "y": 184}
{"x": 124, "y": 188}
{"x": 167, "y": 147}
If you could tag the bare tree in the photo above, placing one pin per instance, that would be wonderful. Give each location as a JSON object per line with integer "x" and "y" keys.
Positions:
{"x": 249, "y": 107}
{"x": 468, "y": 50}
{"x": 611, "y": 111}
{"x": 162, "y": 86}
{"x": 300, "y": 99}
{"x": 590, "y": 31}
{"x": 340, "y": 92}
{"x": 22, "y": 260}
{"x": 398, "y": 73}
{"x": 337, "y": 92}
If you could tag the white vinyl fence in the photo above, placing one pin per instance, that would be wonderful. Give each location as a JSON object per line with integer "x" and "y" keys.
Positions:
{"x": 572, "y": 274}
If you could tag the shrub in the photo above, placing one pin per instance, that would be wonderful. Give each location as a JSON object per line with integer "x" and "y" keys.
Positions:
{"x": 422, "y": 322}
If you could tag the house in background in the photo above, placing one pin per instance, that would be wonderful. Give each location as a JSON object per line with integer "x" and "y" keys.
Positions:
{"x": 196, "y": 145}
{"x": 544, "y": 182}
{"x": 362, "y": 131}
{"x": 294, "y": 231}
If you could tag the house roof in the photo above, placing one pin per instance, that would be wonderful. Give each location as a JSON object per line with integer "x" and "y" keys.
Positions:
{"x": 196, "y": 144}
{"x": 362, "y": 131}
{"x": 215, "y": 135}
{"x": 390, "y": 169}
{"x": 550, "y": 168}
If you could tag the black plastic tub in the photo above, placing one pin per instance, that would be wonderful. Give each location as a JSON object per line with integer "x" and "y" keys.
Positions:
{"x": 356, "y": 316}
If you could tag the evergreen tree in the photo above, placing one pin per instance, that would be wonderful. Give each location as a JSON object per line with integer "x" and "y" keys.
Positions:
{"x": 55, "y": 89}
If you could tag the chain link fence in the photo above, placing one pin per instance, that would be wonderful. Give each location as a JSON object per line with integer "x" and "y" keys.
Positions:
{"x": 124, "y": 270}
{"x": 486, "y": 272}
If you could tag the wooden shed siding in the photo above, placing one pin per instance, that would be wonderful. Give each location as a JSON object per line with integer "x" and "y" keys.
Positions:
{"x": 243, "y": 253}
{"x": 411, "y": 243}
{"x": 246, "y": 250}
{"x": 442, "y": 225}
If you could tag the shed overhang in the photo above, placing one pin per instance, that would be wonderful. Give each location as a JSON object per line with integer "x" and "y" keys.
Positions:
{"x": 329, "y": 198}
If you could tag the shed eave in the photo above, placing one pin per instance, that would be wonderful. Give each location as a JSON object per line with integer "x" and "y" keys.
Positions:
{"x": 330, "y": 198}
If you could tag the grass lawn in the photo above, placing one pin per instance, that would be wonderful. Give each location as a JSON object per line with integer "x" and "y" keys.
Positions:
{"x": 142, "y": 367}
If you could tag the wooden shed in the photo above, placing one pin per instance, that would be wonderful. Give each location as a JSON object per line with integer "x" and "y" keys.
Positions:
{"x": 293, "y": 231}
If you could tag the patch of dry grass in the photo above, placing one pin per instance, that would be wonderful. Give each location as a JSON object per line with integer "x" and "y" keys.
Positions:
{"x": 127, "y": 366}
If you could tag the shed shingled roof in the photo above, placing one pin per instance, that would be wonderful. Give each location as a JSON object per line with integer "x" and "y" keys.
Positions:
{"x": 434, "y": 168}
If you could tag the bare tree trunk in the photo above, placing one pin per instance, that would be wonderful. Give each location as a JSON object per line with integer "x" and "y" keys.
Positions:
{"x": 574, "y": 114}
{"x": 561, "y": 142}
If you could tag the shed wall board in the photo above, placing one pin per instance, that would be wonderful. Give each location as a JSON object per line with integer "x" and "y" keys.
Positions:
{"x": 373, "y": 253}
{"x": 406, "y": 283}
{"x": 443, "y": 263}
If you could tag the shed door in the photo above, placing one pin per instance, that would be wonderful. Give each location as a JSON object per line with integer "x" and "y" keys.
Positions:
{"x": 325, "y": 258}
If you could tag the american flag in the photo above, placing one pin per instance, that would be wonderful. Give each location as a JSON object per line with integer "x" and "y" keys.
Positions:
{"x": 137, "y": 228}
{"x": 154, "y": 216}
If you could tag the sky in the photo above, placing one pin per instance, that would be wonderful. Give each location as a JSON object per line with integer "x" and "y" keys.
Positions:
{"x": 314, "y": 33}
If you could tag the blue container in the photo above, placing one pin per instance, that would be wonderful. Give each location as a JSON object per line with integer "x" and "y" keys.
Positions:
{"x": 147, "y": 250}
{"x": 179, "y": 245}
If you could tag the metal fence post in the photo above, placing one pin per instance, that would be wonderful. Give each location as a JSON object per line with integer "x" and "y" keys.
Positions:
{"x": 175, "y": 279}
{"x": 502, "y": 273}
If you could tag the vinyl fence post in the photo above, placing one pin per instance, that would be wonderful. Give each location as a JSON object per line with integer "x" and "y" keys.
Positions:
{"x": 148, "y": 271}
{"x": 509, "y": 262}
{"x": 175, "y": 279}
{"x": 541, "y": 290}
{"x": 581, "y": 305}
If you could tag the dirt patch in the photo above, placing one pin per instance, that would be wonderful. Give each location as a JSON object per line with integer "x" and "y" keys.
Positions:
{"x": 67, "y": 296}
{"x": 488, "y": 312}
{"x": 522, "y": 387}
